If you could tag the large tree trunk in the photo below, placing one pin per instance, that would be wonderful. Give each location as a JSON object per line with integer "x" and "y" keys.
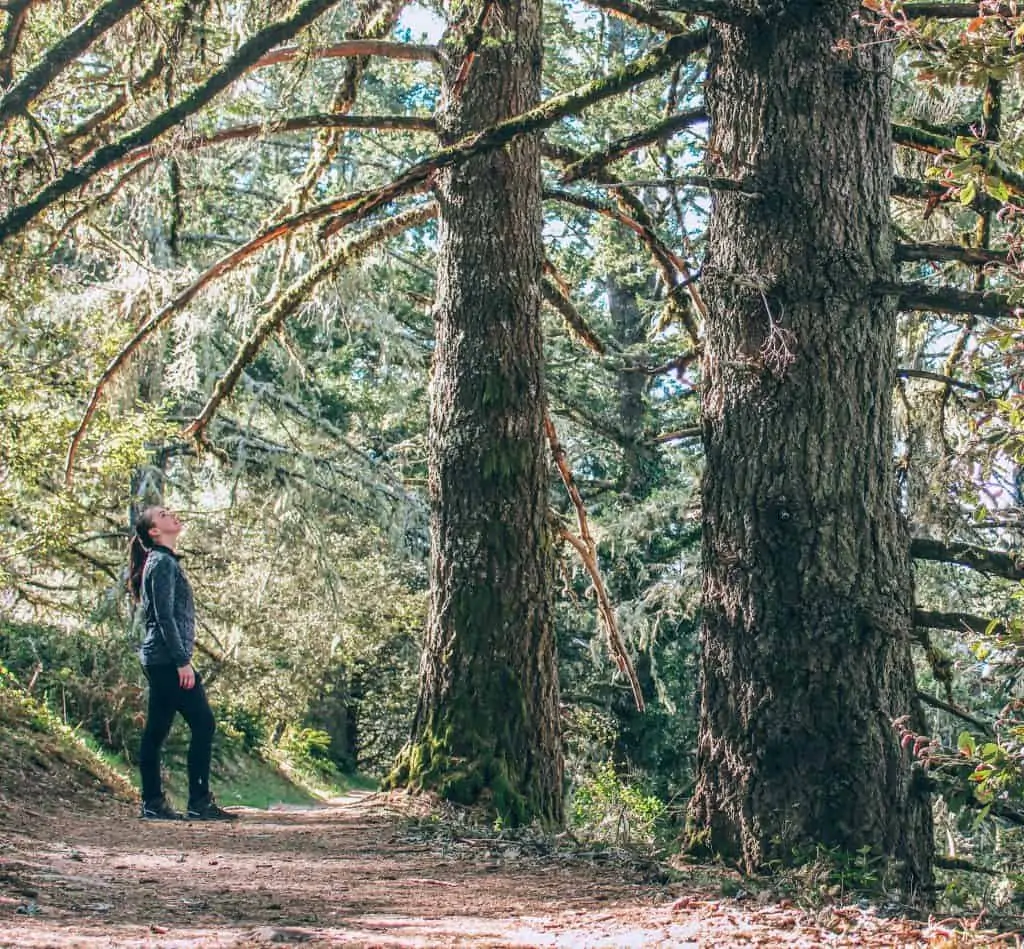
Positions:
{"x": 807, "y": 584}
{"x": 486, "y": 727}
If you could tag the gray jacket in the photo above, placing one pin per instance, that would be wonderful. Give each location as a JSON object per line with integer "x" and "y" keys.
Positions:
{"x": 168, "y": 611}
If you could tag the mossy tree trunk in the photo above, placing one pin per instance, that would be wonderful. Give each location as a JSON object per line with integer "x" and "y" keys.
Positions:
{"x": 486, "y": 729}
{"x": 807, "y": 580}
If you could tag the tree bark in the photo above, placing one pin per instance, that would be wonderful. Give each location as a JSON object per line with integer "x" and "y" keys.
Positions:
{"x": 807, "y": 579}
{"x": 486, "y": 729}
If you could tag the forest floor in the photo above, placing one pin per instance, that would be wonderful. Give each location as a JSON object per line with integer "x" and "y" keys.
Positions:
{"x": 78, "y": 868}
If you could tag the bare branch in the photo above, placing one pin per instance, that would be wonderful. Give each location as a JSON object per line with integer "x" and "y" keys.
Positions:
{"x": 557, "y": 296}
{"x": 17, "y": 11}
{"x": 630, "y": 143}
{"x": 587, "y": 549}
{"x": 973, "y": 256}
{"x": 984, "y": 727}
{"x": 385, "y": 49}
{"x": 998, "y": 563}
{"x": 17, "y": 98}
{"x": 248, "y": 53}
{"x": 938, "y": 377}
{"x": 919, "y": 296}
{"x": 694, "y": 431}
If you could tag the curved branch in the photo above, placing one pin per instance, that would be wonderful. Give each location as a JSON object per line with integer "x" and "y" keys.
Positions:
{"x": 629, "y": 143}
{"x": 939, "y": 377}
{"x": 386, "y": 49}
{"x": 587, "y": 549}
{"x": 998, "y": 563}
{"x": 247, "y": 54}
{"x": 292, "y": 298}
{"x": 17, "y": 98}
{"x": 984, "y": 727}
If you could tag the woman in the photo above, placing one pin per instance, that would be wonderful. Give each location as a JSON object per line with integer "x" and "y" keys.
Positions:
{"x": 157, "y": 582}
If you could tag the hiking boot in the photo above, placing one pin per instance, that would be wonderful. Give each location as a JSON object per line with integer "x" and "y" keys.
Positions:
{"x": 208, "y": 810}
{"x": 159, "y": 809}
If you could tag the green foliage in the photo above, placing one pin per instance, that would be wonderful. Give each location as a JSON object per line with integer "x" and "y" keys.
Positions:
{"x": 309, "y": 750}
{"x": 607, "y": 808}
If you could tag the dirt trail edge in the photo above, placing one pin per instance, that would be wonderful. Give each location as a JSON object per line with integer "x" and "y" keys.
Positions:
{"x": 352, "y": 875}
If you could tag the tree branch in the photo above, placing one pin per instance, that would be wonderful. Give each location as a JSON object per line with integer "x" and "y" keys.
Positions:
{"x": 629, "y": 143}
{"x": 954, "y": 11}
{"x": 587, "y": 550}
{"x": 938, "y": 377}
{"x": 386, "y": 49}
{"x": 556, "y": 295}
{"x": 298, "y": 123}
{"x": 713, "y": 9}
{"x": 919, "y": 296}
{"x": 936, "y": 193}
{"x": 639, "y": 13}
{"x": 984, "y": 727}
{"x": 17, "y": 98}
{"x": 247, "y": 54}
{"x": 960, "y": 622}
{"x": 998, "y": 563}
{"x": 934, "y": 144}
{"x": 17, "y": 12}
{"x": 694, "y": 431}
{"x": 292, "y": 298}
{"x": 973, "y": 256}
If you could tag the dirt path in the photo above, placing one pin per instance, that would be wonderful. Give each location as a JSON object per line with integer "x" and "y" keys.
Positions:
{"x": 353, "y": 874}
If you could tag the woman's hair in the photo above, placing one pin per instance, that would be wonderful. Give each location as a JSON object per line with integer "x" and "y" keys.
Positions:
{"x": 138, "y": 550}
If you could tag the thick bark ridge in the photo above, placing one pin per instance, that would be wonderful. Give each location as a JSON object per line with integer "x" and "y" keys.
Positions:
{"x": 807, "y": 579}
{"x": 486, "y": 727}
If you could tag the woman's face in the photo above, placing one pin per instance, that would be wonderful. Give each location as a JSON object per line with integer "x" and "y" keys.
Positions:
{"x": 164, "y": 525}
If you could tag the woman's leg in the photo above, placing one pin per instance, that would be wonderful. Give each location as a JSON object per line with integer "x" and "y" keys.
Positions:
{"x": 163, "y": 685}
{"x": 195, "y": 709}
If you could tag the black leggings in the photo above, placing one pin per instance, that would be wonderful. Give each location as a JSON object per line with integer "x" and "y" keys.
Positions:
{"x": 166, "y": 697}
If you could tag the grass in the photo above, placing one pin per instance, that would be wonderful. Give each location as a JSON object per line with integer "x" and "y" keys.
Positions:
{"x": 33, "y": 737}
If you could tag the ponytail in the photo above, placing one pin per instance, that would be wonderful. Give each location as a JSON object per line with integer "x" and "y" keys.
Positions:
{"x": 138, "y": 551}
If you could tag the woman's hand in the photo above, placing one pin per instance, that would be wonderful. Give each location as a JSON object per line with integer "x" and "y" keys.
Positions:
{"x": 186, "y": 677}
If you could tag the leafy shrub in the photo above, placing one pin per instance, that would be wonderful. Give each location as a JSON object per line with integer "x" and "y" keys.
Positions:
{"x": 309, "y": 750}
{"x": 606, "y": 808}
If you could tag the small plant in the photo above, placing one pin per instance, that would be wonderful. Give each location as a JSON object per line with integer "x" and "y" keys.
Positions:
{"x": 606, "y": 808}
